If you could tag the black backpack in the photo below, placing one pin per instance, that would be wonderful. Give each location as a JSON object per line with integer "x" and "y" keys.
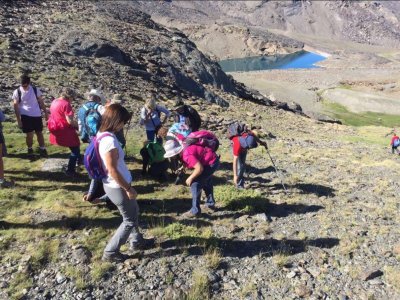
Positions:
{"x": 192, "y": 117}
{"x": 236, "y": 129}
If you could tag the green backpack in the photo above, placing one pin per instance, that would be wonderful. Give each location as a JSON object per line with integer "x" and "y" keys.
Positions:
{"x": 156, "y": 151}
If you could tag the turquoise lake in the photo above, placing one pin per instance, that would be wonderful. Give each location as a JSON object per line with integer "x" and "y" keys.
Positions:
{"x": 297, "y": 60}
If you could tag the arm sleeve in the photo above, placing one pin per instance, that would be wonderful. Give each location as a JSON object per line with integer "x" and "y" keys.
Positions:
{"x": 68, "y": 110}
{"x": 107, "y": 144}
{"x": 2, "y": 117}
{"x": 39, "y": 92}
{"x": 164, "y": 110}
{"x": 15, "y": 95}
{"x": 143, "y": 113}
{"x": 101, "y": 109}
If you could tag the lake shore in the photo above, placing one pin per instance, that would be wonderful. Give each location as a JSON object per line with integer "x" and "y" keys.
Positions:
{"x": 370, "y": 76}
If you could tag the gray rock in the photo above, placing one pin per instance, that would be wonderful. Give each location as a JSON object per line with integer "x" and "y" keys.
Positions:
{"x": 60, "y": 278}
{"x": 54, "y": 164}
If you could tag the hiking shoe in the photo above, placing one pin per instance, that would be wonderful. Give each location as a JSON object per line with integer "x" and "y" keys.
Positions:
{"x": 7, "y": 184}
{"x": 143, "y": 244}
{"x": 30, "y": 151}
{"x": 116, "y": 257}
{"x": 71, "y": 174}
{"x": 208, "y": 208}
{"x": 188, "y": 215}
{"x": 43, "y": 153}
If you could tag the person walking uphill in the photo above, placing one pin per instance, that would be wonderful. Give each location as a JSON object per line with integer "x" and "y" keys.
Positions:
{"x": 150, "y": 117}
{"x": 117, "y": 183}
{"x": 204, "y": 162}
{"x": 63, "y": 127}
{"x": 28, "y": 107}
{"x": 242, "y": 140}
{"x": 395, "y": 143}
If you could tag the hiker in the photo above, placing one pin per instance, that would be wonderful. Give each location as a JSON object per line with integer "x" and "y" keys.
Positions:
{"x": 395, "y": 143}
{"x": 204, "y": 162}
{"x": 117, "y": 183}
{"x": 96, "y": 193}
{"x": 28, "y": 107}
{"x": 63, "y": 128}
{"x": 3, "y": 152}
{"x": 150, "y": 117}
{"x": 89, "y": 115}
{"x": 187, "y": 115}
{"x": 153, "y": 161}
{"x": 242, "y": 140}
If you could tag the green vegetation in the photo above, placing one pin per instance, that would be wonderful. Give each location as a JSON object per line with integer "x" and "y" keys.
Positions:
{"x": 200, "y": 288}
{"x": 340, "y": 112}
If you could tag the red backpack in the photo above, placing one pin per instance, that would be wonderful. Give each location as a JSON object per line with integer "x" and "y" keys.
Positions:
{"x": 203, "y": 138}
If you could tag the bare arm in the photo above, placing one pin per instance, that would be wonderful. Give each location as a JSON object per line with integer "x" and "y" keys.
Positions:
{"x": 17, "y": 114}
{"x": 235, "y": 161}
{"x": 111, "y": 159}
{"x": 43, "y": 107}
{"x": 198, "y": 169}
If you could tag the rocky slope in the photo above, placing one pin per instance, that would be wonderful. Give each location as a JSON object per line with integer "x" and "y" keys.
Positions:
{"x": 367, "y": 22}
{"x": 105, "y": 44}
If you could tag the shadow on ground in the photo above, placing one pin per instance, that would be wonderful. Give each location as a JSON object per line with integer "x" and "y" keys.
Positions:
{"x": 241, "y": 248}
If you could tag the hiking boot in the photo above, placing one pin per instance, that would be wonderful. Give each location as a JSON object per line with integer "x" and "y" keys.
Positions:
{"x": 43, "y": 153}
{"x": 116, "y": 257}
{"x": 188, "y": 215}
{"x": 30, "y": 151}
{"x": 71, "y": 174}
{"x": 143, "y": 244}
{"x": 7, "y": 184}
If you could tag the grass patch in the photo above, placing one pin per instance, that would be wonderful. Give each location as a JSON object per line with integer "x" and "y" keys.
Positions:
{"x": 213, "y": 257}
{"x": 43, "y": 253}
{"x": 392, "y": 276}
{"x": 78, "y": 275}
{"x": 340, "y": 112}
{"x": 100, "y": 269}
{"x": 18, "y": 284}
{"x": 200, "y": 288}
{"x": 249, "y": 201}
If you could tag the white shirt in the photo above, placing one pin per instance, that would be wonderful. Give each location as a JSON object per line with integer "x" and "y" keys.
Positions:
{"x": 107, "y": 144}
{"x": 29, "y": 105}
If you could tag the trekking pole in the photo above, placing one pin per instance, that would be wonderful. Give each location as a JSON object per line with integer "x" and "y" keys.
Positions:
{"x": 278, "y": 173}
{"x": 126, "y": 134}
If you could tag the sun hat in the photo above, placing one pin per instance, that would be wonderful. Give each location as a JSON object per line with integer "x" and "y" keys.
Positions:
{"x": 98, "y": 93}
{"x": 172, "y": 148}
{"x": 117, "y": 98}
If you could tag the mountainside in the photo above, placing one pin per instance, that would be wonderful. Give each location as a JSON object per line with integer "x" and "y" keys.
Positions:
{"x": 367, "y": 22}
{"x": 106, "y": 44}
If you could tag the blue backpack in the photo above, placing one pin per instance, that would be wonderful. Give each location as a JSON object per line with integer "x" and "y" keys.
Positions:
{"x": 396, "y": 143}
{"x": 92, "y": 159}
{"x": 90, "y": 119}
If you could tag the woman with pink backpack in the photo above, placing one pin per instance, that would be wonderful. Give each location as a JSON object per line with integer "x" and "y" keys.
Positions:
{"x": 197, "y": 152}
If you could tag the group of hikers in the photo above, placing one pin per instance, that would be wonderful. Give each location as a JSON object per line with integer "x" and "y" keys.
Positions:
{"x": 100, "y": 123}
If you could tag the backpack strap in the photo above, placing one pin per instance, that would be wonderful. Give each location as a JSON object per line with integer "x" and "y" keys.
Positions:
{"x": 19, "y": 95}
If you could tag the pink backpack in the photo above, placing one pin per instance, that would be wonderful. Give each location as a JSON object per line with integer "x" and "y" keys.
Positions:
{"x": 203, "y": 138}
